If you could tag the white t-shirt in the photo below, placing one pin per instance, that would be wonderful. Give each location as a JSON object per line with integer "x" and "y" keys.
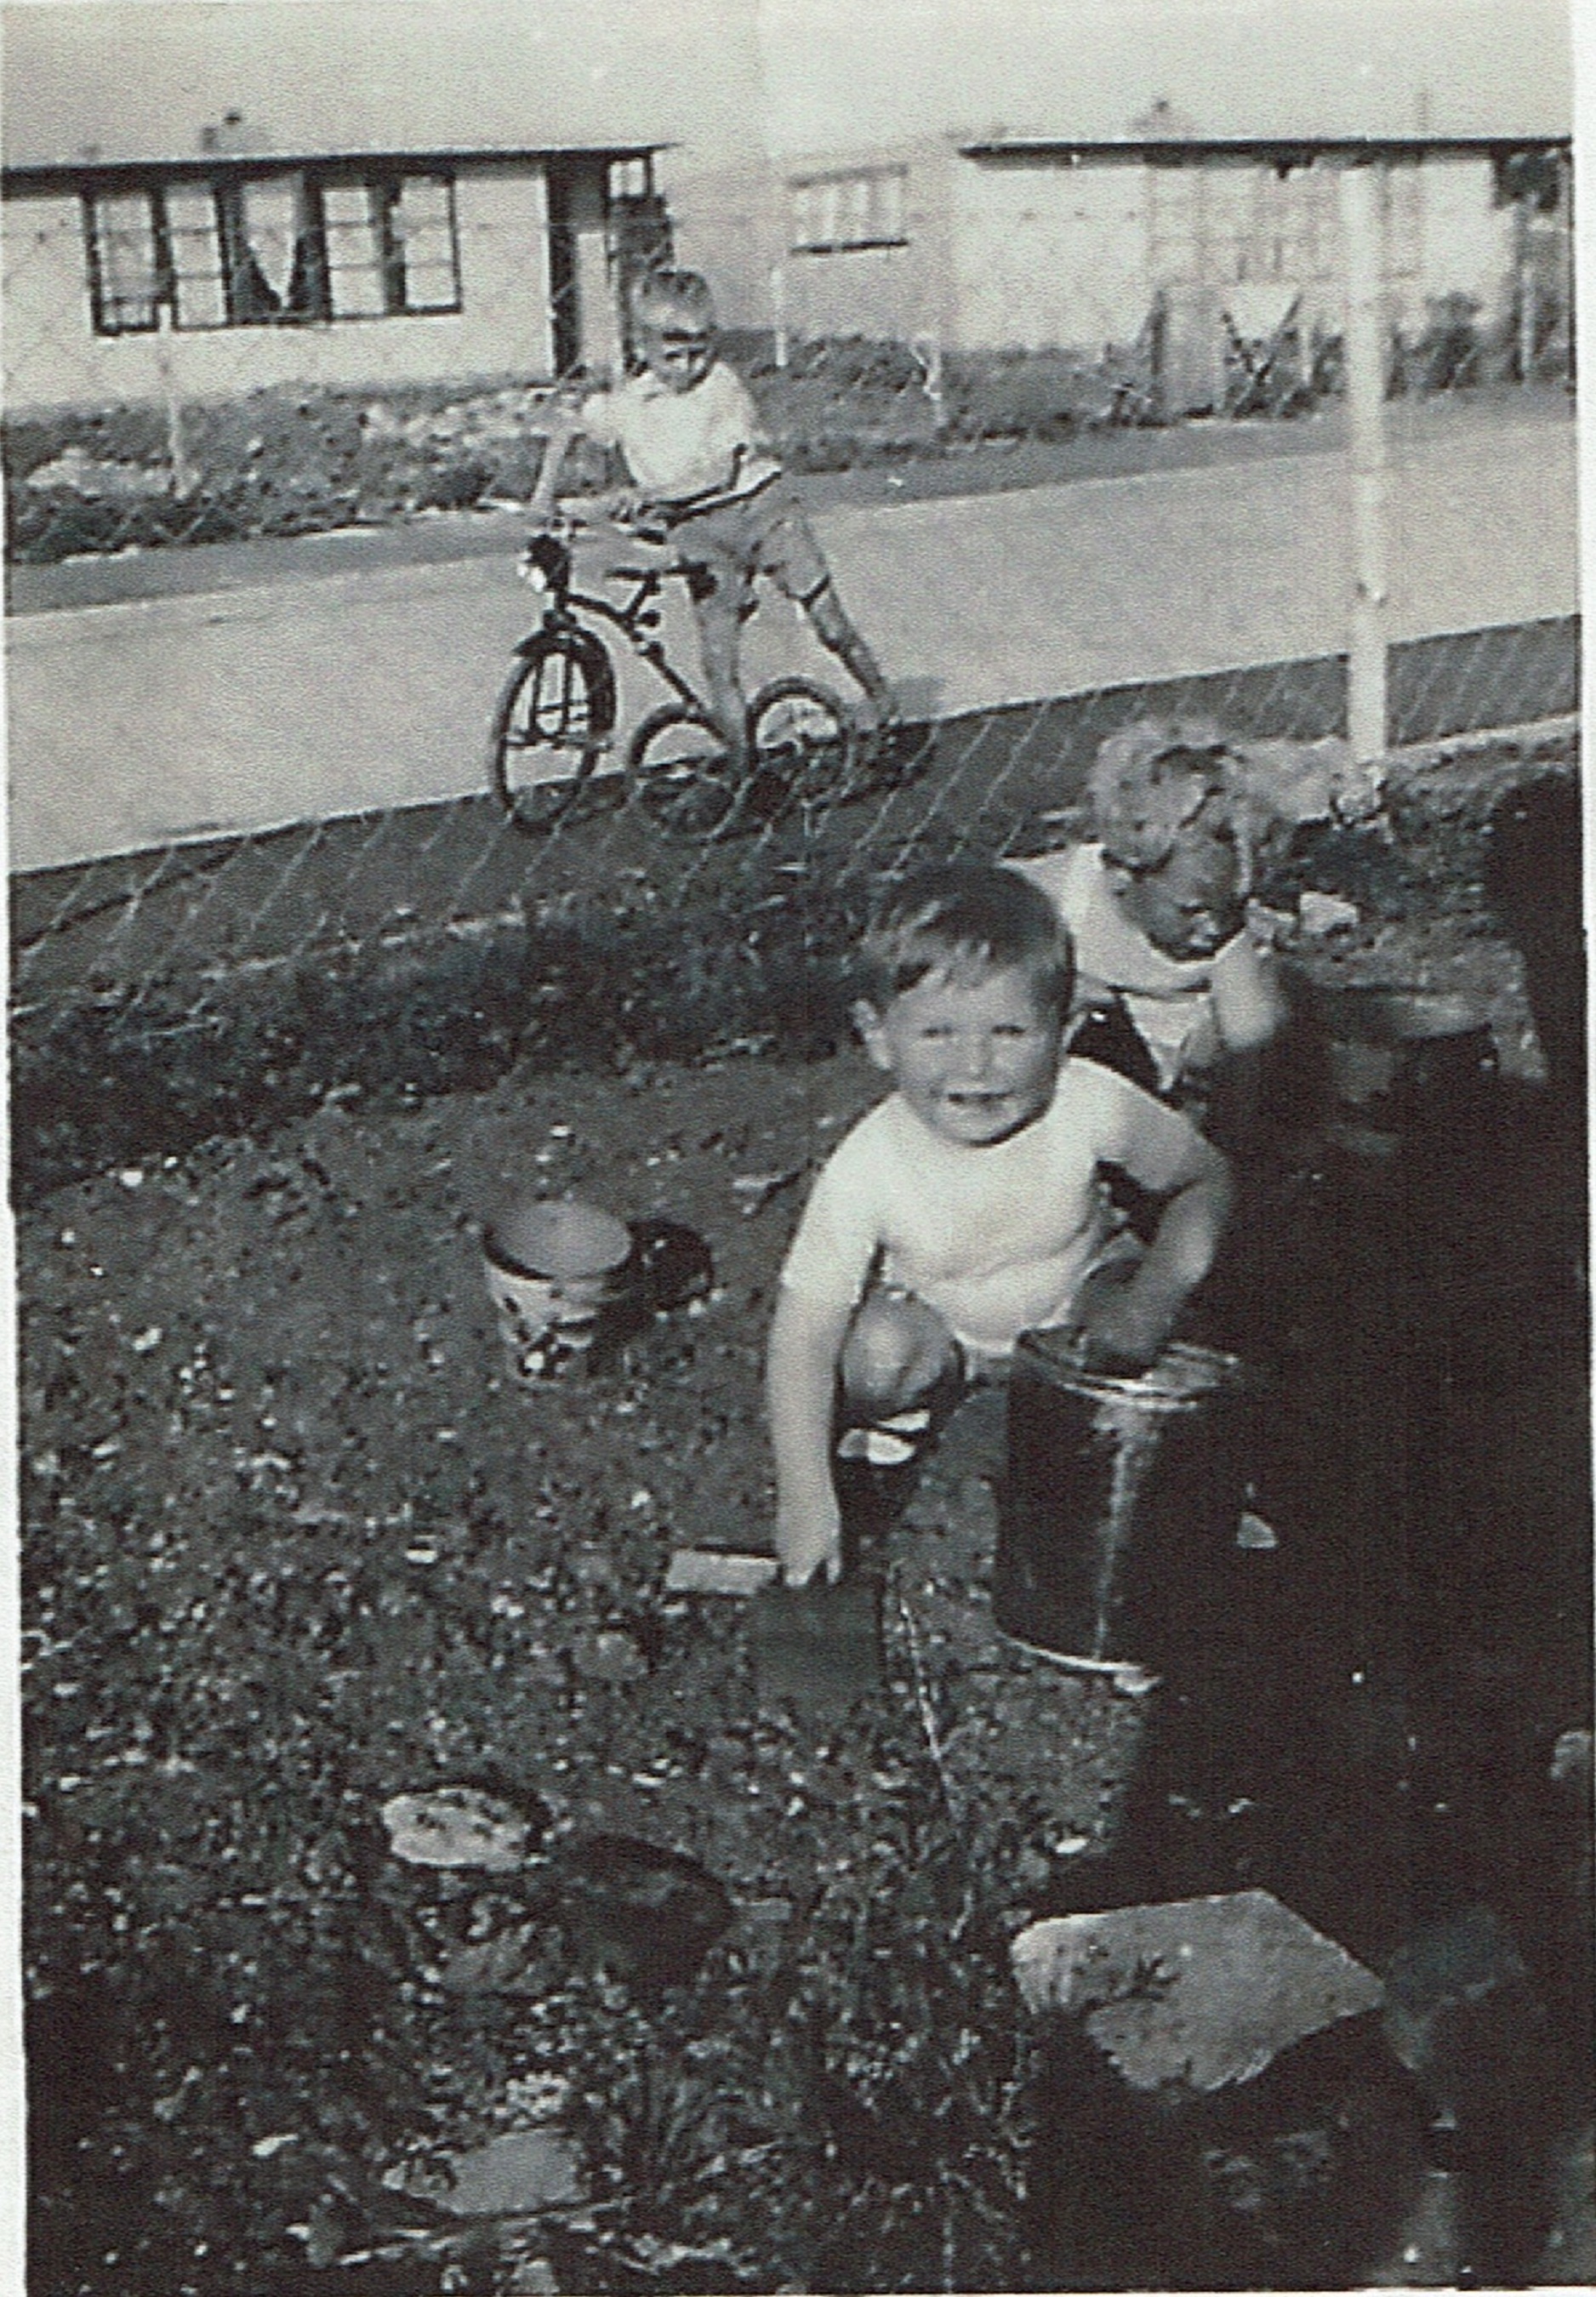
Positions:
{"x": 996, "y": 1240}
{"x": 1170, "y": 999}
{"x": 679, "y": 444}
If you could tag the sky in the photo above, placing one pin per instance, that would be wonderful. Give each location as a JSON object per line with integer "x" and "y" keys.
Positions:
{"x": 1089, "y": 66}
{"x": 720, "y": 76}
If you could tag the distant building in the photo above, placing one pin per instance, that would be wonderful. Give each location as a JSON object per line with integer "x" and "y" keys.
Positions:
{"x": 209, "y": 199}
{"x": 1157, "y": 238}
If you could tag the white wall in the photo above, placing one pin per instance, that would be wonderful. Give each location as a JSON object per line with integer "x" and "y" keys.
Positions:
{"x": 1049, "y": 255}
{"x": 726, "y": 224}
{"x": 735, "y": 226}
{"x": 54, "y": 357}
{"x": 1467, "y": 243}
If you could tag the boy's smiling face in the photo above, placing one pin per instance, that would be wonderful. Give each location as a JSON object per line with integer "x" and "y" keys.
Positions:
{"x": 976, "y": 1054}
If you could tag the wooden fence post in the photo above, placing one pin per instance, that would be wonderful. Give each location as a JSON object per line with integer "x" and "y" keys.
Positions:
{"x": 1362, "y": 184}
{"x": 184, "y": 479}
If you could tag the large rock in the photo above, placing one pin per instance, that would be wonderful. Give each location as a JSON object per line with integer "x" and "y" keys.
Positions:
{"x": 1204, "y": 1991}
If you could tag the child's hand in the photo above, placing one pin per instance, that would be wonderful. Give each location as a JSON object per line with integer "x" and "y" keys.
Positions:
{"x": 1123, "y": 1329}
{"x": 627, "y": 507}
{"x": 810, "y": 1547}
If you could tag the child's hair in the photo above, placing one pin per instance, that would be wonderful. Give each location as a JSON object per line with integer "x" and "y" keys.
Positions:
{"x": 965, "y": 919}
{"x": 664, "y": 290}
{"x": 1163, "y": 782}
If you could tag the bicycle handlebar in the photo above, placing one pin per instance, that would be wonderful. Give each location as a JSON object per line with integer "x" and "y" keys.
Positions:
{"x": 566, "y": 525}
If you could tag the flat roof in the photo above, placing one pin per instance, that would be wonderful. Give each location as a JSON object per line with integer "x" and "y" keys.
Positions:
{"x": 52, "y": 175}
{"x": 1297, "y": 149}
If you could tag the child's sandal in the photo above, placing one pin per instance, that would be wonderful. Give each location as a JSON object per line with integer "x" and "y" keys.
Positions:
{"x": 894, "y": 1442}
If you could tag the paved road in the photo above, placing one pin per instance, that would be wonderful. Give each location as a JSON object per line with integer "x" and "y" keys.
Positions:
{"x": 346, "y": 690}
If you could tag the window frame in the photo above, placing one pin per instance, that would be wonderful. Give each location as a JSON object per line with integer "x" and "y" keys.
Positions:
{"x": 101, "y": 299}
{"x": 224, "y": 191}
{"x": 829, "y": 191}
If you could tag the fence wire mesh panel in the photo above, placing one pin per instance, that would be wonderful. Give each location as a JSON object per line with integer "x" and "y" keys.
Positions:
{"x": 424, "y": 947}
{"x": 192, "y": 980}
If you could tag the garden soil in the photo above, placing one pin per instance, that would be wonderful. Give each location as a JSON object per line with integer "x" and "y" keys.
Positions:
{"x": 297, "y": 1543}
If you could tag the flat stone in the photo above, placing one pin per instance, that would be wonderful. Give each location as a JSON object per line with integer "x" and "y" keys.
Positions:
{"x": 527, "y": 2170}
{"x": 1203, "y": 1991}
{"x": 1318, "y": 914}
{"x": 457, "y": 1826}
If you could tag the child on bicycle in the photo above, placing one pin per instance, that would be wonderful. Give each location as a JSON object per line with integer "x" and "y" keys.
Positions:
{"x": 690, "y": 438}
{"x": 1171, "y": 989}
{"x": 968, "y": 1206}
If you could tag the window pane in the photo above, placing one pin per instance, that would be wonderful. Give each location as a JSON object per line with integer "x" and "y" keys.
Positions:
{"x": 424, "y": 245}
{"x": 825, "y": 228}
{"x": 196, "y": 256}
{"x": 269, "y": 216}
{"x": 889, "y": 206}
{"x": 125, "y": 257}
{"x": 353, "y": 216}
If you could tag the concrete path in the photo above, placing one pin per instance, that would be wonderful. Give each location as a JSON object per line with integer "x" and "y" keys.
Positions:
{"x": 134, "y": 723}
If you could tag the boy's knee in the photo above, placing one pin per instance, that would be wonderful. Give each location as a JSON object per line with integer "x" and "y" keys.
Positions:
{"x": 896, "y": 1350}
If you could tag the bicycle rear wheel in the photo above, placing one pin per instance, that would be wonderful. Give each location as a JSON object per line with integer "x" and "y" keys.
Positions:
{"x": 552, "y": 720}
{"x": 682, "y": 774}
{"x": 800, "y": 737}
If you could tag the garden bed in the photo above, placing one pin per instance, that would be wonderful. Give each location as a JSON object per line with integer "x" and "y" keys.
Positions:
{"x": 296, "y": 1544}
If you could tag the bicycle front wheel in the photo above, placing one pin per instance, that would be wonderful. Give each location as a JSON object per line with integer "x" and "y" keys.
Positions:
{"x": 682, "y": 772}
{"x": 801, "y": 739}
{"x": 553, "y": 719}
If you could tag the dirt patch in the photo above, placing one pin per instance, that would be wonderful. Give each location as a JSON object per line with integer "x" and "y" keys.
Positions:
{"x": 296, "y": 1544}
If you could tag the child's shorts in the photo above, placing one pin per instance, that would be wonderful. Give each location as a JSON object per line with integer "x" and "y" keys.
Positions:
{"x": 726, "y": 548}
{"x": 969, "y": 1364}
{"x": 901, "y": 1437}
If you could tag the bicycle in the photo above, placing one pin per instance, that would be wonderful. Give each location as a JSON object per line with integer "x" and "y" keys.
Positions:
{"x": 554, "y": 721}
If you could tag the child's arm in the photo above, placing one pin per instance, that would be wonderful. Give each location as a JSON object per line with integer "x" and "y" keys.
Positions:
{"x": 1248, "y": 1004}
{"x": 564, "y": 424}
{"x": 805, "y": 1349}
{"x": 1130, "y": 1322}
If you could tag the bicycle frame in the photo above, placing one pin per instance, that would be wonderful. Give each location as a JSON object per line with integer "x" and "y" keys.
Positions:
{"x": 636, "y": 621}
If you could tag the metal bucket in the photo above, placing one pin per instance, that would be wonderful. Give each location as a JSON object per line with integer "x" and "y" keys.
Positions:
{"x": 557, "y": 1273}
{"x": 1117, "y": 1530}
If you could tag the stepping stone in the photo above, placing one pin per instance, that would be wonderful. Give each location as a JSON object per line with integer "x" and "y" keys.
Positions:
{"x": 1201, "y": 1991}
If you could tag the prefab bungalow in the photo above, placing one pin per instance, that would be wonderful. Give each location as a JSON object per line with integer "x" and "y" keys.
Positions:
{"x": 1183, "y": 245}
{"x": 389, "y": 267}
{"x": 205, "y": 199}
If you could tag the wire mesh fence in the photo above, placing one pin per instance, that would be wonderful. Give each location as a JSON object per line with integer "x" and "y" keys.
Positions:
{"x": 161, "y": 994}
{"x": 174, "y": 988}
